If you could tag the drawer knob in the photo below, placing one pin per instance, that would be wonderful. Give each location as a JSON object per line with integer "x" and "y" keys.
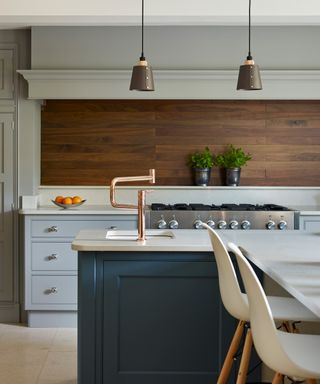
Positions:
{"x": 53, "y": 256}
{"x": 53, "y": 290}
{"x": 54, "y": 228}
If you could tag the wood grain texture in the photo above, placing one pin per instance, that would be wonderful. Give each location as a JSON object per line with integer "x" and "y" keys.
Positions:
{"x": 88, "y": 142}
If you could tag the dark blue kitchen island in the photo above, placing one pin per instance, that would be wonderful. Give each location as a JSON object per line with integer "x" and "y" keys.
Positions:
{"x": 148, "y": 315}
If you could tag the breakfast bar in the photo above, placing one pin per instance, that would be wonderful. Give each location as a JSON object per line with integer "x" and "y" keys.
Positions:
{"x": 151, "y": 311}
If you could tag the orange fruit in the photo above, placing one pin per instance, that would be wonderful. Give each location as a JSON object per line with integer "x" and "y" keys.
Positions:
{"x": 76, "y": 200}
{"x": 67, "y": 200}
{"x": 59, "y": 199}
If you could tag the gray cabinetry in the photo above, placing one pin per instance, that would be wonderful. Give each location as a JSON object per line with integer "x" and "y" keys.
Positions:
{"x": 9, "y": 295}
{"x": 50, "y": 296}
{"x": 6, "y": 73}
{"x": 310, "y": 222}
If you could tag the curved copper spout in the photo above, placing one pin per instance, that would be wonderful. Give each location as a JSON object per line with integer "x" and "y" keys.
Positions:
{"x": 141, "y": 198}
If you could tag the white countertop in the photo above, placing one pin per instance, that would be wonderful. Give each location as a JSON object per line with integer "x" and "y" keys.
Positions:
{"x": 82, "y": 210}
{"x": 190, "y": 240}
{"x": 109, "y": 210}
{"x": 307, "y": 210}
{"x": 292, "y": 258}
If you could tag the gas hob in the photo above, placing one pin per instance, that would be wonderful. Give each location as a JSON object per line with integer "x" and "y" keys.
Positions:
{"x": 224, "y": 216}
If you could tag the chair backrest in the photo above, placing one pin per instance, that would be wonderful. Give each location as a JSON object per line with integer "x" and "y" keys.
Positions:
{"x": 266, "y": 337}
{"x": 233, "y": 299}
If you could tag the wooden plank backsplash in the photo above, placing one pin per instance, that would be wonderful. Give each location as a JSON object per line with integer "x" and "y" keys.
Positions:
{"x": 88, "y": 142}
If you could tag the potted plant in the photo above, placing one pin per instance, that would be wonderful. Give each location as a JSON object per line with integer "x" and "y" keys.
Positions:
{"x": 201, "y": 162}
{"x": 232, "y": 160}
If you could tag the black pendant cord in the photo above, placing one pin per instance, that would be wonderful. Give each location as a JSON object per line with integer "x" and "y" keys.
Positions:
{"x": 249, "y": 57}
{"x": 142, "y": 58}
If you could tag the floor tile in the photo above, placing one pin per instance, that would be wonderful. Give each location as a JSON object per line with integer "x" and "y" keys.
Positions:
{"x": 24, "y": 337}
{"x": 59, "y": 368}
{"x": 65, "y": 340}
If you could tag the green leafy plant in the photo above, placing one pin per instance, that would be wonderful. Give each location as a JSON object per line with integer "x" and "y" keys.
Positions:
{"x": 232, "y": 158}
{"x": 203, "y": 159}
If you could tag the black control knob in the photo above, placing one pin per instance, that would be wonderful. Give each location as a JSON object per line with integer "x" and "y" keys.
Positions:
{"x": 162, "y": 224}
{"x": 211, "y": 223}
{"x": 173, "y": 224}
{"x": 197, "y": 224}
{"x": 233, "y": 224}
{"x": 282, "y": 225}
{"x": 245, "y": 224}
{"x": 271, "y": 225}
{"x": 222, "y": 224}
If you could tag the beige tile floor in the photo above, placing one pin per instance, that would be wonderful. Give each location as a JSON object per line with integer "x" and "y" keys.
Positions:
{"x": 37, "y": 355}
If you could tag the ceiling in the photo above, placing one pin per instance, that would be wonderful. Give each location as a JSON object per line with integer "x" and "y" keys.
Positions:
{"x": 21, "y": 14}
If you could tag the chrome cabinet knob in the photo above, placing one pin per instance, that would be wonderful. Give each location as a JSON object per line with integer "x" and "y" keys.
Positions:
{"x": 270, "y": 225}
{"x": 53, "y": 256}
{"x": 282, "y": 225}
{"x": 54, "y": 228}
{"x": 162, "y": 224}
{"x": 233, "y": 224}
{"x": 245, "y": 224}
{"x": 211, "y": 223}
{"x": 197, "y": 224}
{"x": 173, "y": 224}
{"x": 222, "y": 224}
{"x": 53, "y": 290}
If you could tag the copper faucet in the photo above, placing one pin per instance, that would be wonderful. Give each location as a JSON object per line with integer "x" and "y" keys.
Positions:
{"x": 141, "y": 199}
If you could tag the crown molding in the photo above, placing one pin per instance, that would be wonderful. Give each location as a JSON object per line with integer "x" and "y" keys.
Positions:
{"x": 170, "y": 84}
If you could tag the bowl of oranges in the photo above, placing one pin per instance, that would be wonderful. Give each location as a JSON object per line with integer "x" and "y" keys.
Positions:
{"x": 68, "y": 202}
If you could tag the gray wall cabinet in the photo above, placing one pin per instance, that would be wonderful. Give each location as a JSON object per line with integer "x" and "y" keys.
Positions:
{"x": 50, "y": 265}
{"x": 9, "y": 296}
{"x": 150, "y": 318}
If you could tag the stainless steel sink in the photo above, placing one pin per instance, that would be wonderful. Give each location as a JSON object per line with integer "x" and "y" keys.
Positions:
{"x": 123, "y": 235}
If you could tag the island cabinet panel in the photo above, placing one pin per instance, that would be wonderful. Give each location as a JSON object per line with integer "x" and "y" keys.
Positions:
{"x": 151, "y": 318}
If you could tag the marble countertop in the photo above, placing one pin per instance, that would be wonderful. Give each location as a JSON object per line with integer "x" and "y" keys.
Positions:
{"x": 305, "y": 210}
{"x": 82, "y": 210}
{"x": 109, "y": 210}
{"x": 191, "y": 240}
{"x": 291, "y": 258}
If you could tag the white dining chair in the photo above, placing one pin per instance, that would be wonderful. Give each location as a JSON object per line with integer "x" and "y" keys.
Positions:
{"x": 236, "y": 303}
{"x": 290, "y": 354}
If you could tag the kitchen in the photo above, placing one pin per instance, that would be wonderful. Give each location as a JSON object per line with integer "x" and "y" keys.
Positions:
{"x": 209, "y": 73}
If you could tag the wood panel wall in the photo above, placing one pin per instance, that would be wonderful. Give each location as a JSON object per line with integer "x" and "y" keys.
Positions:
{"x": 88, "y": 142}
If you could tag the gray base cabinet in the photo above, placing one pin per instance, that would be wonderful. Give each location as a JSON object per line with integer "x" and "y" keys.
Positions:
{"x": 50, "y": 265}
{"x": 150, "y": 318}
{"x": 310, "y": 222}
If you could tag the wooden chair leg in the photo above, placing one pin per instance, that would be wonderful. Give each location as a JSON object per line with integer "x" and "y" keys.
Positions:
{"x": 228, "y": 361}
{"x": 245, "y": 359}
{"x": 277, "y": 379}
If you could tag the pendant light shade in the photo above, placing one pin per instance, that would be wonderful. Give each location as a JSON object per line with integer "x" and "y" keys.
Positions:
{"x": 142, "y": 77}
{"x": 249, "y": 73}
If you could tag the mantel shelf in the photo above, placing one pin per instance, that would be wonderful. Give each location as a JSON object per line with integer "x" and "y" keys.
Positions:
{"x": 170, "y": 84}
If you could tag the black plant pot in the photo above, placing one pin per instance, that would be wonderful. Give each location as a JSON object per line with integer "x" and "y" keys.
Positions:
{"x": 202, "y": 176}
{"x": 233, "y": 176}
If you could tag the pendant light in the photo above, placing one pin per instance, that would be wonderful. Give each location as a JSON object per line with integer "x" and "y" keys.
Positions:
{"x": 142, "y": 77}
{"x": 249, "y": 73}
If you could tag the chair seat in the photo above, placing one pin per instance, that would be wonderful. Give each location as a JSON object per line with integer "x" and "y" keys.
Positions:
{"x": 295, "y": 346}
{"x": 287, "y": 308}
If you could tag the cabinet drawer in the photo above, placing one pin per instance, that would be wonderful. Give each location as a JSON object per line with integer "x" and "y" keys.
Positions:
{"x": 70, "y": 228}
{"x": 53, "y": 257}
{"x": 54, "y": 289}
